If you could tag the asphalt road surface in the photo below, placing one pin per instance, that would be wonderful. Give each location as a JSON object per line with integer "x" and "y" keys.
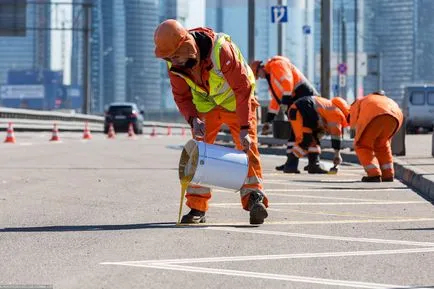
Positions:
{"x": 102, "y": 213}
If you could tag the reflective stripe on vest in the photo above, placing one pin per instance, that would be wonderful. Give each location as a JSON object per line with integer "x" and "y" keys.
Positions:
{"x": 220, "y": 92}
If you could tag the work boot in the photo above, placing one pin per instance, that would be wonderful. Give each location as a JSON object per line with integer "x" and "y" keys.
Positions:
{"x": 374, "y": 179}
{"x": 280, "y": 168}
{"x": 257, "y": 209}
{"x": 387, "y": 179}
{"x": 314, "y": 166}
{"x": 291, "y": 165}
{"x": 306, "y": 168}
{"x": 194, "y": 217}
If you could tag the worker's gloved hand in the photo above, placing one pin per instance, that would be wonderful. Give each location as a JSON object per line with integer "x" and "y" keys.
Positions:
{"x": 266, "y": 129}
{"x": 198, "y": 128}
{"x": 284, "y": 107}
{"x": 337, "y": 160}
{"x": 245, "y": 139}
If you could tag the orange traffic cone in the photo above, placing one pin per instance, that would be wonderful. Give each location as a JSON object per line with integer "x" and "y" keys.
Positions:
{"x": 183, "y": 131}
{"x": 154, "y": 132}
{"x": 10, "y": 137}
{"x": 169, "y": 131}
{"x": 131, "y": 133}
{"x": 86, "y": 133}
{"x": 55, "y": 136}
{"x": 111, "y": 131}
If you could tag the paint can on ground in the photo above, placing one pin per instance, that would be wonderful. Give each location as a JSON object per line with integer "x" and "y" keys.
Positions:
{"x": 213, "y": 165}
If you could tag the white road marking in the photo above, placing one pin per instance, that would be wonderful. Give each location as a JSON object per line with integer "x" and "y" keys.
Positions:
{"x": 322, "y": 190}
{"x": 276, "y": 257}
{"x": 328, "y": 222}
{"x": 322, "y": 237}
{"x": 325, "y": 198}
{"x": 171, "y": 264}
{"x": 332, "y": 204}
{"x": 268, "y": 276}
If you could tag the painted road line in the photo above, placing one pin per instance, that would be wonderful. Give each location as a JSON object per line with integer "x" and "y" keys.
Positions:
{"x": 322, "y": 197}
{"x": 333, "y": 203}
{"x": 329, "y": 222}
{"x": 340, "y": 190}
{"x": 322, "y": 237}
{"x": 268, "y": 276}
{"x": 276, "y": 257}
{"x": 330, "y": 214}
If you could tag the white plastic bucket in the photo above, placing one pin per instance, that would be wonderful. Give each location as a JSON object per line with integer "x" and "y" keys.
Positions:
{"x": 213, "y": 165}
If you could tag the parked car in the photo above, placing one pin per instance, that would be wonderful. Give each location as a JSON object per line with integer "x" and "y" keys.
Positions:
{"x": 121, "y": 114}
{"x": 418, "y": 107}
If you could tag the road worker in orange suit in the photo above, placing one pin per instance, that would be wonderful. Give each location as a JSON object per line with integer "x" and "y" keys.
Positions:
{"x": 313, "y": 116}
{"x": 286, "y": 84}
{"x": 213, "y": 85}
{"x": 375, "y": 118}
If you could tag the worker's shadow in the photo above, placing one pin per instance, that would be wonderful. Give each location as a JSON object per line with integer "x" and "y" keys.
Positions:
{"x": 144, "y": 226}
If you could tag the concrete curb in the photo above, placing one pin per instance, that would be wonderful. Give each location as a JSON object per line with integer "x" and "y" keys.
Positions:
{"x": 417, "y": 179}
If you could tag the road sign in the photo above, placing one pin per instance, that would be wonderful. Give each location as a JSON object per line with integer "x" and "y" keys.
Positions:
{"x": 342, "y": 68}
{"x": 306, "y": 29}
{"x": 22, "y": 91}
{"x": 279, "y": 14}
{"x": 342, "y": 80}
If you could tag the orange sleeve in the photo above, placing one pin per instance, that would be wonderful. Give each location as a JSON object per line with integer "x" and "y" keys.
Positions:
{"x": 237, "y": 77}
{"x": 354, "y": 113}
{"x": 282, "y": 79}
{"x": 273, "y": 106}
{"x": 183, "y": 97}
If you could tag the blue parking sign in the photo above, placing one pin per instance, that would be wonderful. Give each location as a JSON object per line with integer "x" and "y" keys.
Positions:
{"x": 279, "y": 14}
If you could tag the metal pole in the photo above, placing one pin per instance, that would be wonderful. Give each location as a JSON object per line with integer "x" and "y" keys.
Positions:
{"x": 86, "y": 58}
{"x": 380, "y": 71}
{"x": 356, "y": 50}
{"x": 344, "y": 54}
{"x": 326, "y": 47}
{"x": 279, "y": 34}
{"x": 251, "y": 25}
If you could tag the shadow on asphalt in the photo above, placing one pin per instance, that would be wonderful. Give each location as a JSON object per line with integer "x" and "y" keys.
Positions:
{"x": 79, "y": 228}
{"x": 414, "y": 229}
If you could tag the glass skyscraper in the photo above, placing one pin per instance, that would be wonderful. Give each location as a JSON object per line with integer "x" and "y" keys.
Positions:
{"x": 32, "y": 50}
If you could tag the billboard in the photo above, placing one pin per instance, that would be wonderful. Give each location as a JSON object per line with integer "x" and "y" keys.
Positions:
{"x": 13, "y": 17}
{"x": 22, "y": 91}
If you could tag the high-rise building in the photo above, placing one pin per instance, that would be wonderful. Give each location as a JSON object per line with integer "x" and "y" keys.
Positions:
{"x": 170, "y": 9}
{"x": 33, "y": 50}
{"x": 231, "y": 17}
{"x": 143, "y": 69}
{"x": 401, "y": 34}
{"x": 107, "y": 51}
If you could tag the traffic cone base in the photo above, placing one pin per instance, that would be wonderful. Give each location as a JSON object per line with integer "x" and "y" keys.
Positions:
{"x": 154, "y": 132}
{"x": 131, "y": 133}
{"x": 55, "y": 136}
{"x": 86, "y": 133}
{"x": 111, "y": 131}
{"x": 10, "y": 137}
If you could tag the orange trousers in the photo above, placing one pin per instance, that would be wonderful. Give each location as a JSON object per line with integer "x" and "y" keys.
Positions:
{"x": 299, "y": 130}
{"x": 374, "y": 146}
{"x": 198, "y": 196}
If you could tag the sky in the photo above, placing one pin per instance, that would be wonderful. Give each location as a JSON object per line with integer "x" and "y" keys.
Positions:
{"x": 196, "y": 18}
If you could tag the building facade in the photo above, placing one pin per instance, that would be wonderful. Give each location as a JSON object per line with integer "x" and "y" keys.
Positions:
{"x": 32, "y": 51}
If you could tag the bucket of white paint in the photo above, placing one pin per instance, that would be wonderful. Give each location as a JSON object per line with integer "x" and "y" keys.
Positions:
{"x": 213, "y": 165}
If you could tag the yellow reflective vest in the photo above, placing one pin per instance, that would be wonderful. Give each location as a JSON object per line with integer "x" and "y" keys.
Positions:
{"x": 220, "y": 93}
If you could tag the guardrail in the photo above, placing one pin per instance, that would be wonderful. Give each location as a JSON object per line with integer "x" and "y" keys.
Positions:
{"x": 38, "y": 120}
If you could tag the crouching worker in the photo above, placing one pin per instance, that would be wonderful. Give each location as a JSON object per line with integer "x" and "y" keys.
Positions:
{"x": 311, "y": 117}
{"x": 375, "y": 118}
{"x": 213, "y": 85}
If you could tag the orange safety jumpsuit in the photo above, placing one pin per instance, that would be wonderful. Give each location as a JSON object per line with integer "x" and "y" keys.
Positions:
{"x": 310, "y": 118}
{"x": 236, "y": 75}
{"x": 286, "y": 84}
{"x": 376, "y": 118}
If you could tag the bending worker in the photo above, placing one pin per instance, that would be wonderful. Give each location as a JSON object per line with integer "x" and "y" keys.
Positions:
{"x": 213, "y": 85}
{"x": 311, "y": 117}
{"x": 376, "y": 118}
{"x": 286, "y": 84}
